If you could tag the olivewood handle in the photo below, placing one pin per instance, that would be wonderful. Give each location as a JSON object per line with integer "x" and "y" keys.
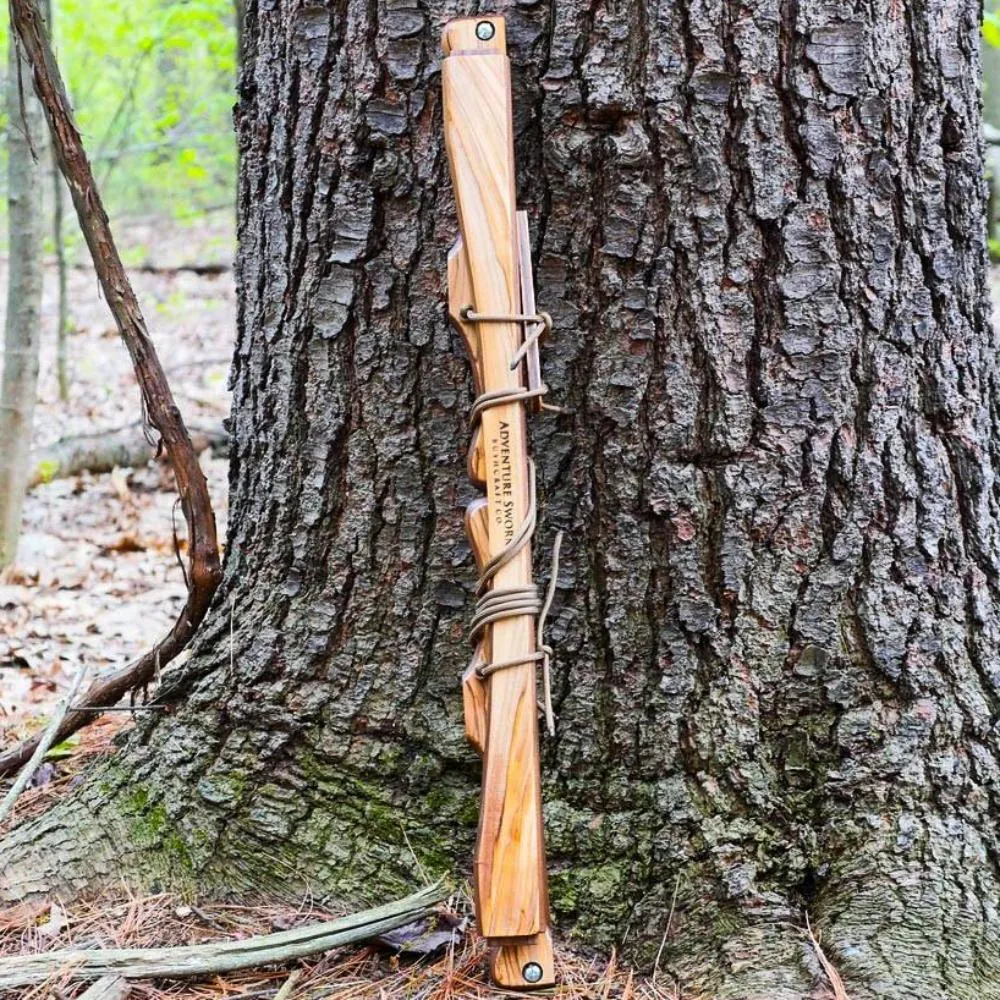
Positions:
{"x": 477, "y": 529}
{"x": 486, "y": 271}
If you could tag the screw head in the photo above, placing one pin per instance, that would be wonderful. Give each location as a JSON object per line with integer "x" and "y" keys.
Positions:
{"x": 532, "y": 973}
{"x": 485, "y": 30}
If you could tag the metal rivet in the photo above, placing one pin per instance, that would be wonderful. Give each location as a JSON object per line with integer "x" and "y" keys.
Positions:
{"x": 532, "y": 973}
{"x": 485, "y": 31}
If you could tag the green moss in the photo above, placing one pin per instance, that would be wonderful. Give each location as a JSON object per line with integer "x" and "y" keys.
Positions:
{"x": 606, "y": 883}
{"x": 137, "y": 798}
{"x": 468, "y": 812}
{"x": 363, "y": 831}
{"x": 150, "y": 828}
{"x": 222, "y": 789}
{"x": 148, "y": 825}
{"x": 562, "y": 892}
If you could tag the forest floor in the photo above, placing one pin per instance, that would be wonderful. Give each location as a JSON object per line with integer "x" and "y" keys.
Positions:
{"x": 96, "y": 572}
{"x": 97, "y": 575}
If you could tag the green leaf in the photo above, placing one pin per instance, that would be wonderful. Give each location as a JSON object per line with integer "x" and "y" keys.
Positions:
{"x": 991, "y": 29}
{"x": 46, "y": 470}
{"x": 65, "y": 749}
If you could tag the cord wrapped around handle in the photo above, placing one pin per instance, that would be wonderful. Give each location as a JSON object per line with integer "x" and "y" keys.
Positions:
{"x": 490, "y": 267}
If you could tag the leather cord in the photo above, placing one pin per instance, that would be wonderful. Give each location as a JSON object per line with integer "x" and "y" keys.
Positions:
{"x": 495, "y": 605}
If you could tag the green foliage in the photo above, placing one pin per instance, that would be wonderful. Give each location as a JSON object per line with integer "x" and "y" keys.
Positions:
{"x": 64, "y": 749}
{"x": 991, "y": 28}
{"x": 46, "y": 470}
{"x": 152, "y": 84}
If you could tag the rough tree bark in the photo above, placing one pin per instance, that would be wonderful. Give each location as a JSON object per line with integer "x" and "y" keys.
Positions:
{"x": 26, "y": 143}
{"x": 59, "y": 241}
{"x": 759, "y": 228}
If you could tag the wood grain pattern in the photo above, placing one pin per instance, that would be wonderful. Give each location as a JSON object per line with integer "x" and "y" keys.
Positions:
{"x": 460, "y": 295}
{"x": 510, "y": 879}
{"x": 474, "y": 700}
{"x": 475, "y": 460}
{"x": 477, "y": 528}
{"x": 507, "y": 961}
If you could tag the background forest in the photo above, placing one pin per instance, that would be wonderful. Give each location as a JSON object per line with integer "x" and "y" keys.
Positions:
{"x": 152, "y": 86}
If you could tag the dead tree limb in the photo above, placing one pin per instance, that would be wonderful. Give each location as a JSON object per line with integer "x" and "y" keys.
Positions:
{"x": 158, "y": 402}
{"x": 218, "y": 956}
{"x": 124, "y": 447}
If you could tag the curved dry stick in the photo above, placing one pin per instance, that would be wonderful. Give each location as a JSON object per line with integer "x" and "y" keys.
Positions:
{"x": 160, "y": 409}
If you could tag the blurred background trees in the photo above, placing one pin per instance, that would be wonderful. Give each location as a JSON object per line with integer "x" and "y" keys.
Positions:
{"x": 26, "y": 134}
{"x": 152, "y": 82}
{"x": 991, "y": 116}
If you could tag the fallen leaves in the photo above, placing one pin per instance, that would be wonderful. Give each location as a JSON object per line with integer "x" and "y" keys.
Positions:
{"x": 96, "y": 578}
{"x": 54, "y": 923}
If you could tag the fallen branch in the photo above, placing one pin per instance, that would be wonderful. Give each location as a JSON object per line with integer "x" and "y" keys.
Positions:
{"x": 218, "y": 956}
{"x": 121, "y": 447}
{"x": 212, "y": 270}
{"x": 48, "y": 737}
{"x": 202, "y": 270}
{"x": 158, "y": 402}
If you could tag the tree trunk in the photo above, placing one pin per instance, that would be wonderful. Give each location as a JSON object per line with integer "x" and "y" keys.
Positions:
{"x": 26, "y": 140}
{"x": 759, "y": 229}
{"x": 62, "y": 274}
{"x": 59, "y": 244}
